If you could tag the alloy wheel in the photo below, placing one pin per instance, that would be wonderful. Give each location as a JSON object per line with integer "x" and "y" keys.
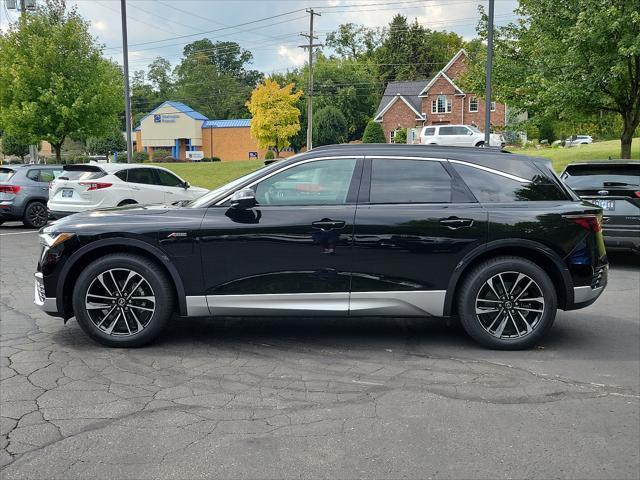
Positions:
{"x": 37, "y": 215}
{"x": 509, "y": 305}
{"x": 120, "y": 302}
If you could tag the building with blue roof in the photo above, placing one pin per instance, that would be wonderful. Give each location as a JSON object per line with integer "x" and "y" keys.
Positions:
{"x": 189, "y": 135}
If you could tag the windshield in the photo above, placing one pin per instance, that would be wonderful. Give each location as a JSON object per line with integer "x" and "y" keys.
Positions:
{"x": 6, "y": 174}
{"x": 599, "y": 174}
{"x": 228, "y": 187}
{"x": 473, "y": 128}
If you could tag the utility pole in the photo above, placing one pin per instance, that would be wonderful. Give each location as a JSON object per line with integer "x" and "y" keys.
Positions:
{"x": 33, "y": 149}
{"x": 310, "y": 46}
{"x": 125, "y": 63}
{"x": 487, "y": 95}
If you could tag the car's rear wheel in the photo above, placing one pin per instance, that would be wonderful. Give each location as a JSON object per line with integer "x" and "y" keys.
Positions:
{"x": 480, "y": 144}
{"x": 507, "y": 303}
{"x": 127, "y": 202}
{"x": 35, "y": 215}
{"x": 123, "y": 300}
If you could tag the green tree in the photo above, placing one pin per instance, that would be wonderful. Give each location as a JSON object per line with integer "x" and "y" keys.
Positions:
{"x": 354, "y": 41}
{"x": 275, "y": 117}
{"x": 54, "y": 81}
{"x": 373, "y": 133}
{"x": 14, "y": 146}
{"x": 159, "y": 74}
{"x": 112, "y": 142}
{"x": 400, "y": 136}
{"x": 329, "y": 126}
{"x": 567, "y": 58}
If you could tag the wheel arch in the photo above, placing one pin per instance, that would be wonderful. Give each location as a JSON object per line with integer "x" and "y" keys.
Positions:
{"x": 88, "y": 253}
{"x": 538, "y": 253}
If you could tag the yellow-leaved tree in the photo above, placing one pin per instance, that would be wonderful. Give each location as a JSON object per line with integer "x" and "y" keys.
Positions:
{"x": 275, "y": 117}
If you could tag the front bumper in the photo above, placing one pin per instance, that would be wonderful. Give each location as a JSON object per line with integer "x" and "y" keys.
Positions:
{"x": 46, "y": 304}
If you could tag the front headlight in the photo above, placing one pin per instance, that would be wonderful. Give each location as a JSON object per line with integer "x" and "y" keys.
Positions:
{"x": 50, "y": 240}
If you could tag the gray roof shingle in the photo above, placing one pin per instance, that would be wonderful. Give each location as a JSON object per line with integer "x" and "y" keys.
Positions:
{"x": 408, "y": 89}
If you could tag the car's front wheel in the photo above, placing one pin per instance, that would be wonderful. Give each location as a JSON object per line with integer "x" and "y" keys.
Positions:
{"x": 507, "y": 303}
{"x": 123, "y": 300}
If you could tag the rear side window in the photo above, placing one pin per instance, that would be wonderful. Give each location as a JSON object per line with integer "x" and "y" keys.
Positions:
{"x": 409, "y": 181}
{"x": 429, "y": 132}
{"x": 447, "y": 130}
{"x": 122, "y": 175}
{"x": 496, "y": 187}
{"x": 146, "y": 176}
{"x": 6, "y": 174}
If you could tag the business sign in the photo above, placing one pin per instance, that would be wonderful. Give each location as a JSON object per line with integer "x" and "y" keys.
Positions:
{"x": 165, "y": 118}
{"x": 195, "y": 155}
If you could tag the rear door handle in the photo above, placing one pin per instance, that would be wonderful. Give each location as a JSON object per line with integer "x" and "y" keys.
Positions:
{"x": 326, "y": 224}
{"x": 454, "y": 223}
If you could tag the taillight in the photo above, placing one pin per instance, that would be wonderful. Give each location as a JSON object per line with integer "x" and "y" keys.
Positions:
{"x": 588, "y": 221}
{"x": 95, "y": 185}
{"x": 637, "y": 194}
{"x": 9, "y": 189}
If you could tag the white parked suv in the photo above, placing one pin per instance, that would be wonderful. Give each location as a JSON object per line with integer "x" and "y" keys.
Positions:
{"x": 99, "y": 185}
{"x": 578, "y": 140}
{"x": 458, "y": 136}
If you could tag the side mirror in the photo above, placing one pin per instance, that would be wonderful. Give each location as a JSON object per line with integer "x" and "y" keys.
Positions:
{"x": 243, "y": 198}
{"x": 186, "y": 185}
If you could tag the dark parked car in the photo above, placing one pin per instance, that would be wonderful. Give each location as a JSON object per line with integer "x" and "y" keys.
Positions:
{"x": 359, "y": 230}
{"x": 614, "y": 186}
{"x": 24, "y": 191}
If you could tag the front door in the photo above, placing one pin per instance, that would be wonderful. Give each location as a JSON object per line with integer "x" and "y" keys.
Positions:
{"x": 414, "y": 222}
{"x": 291, "y": 253}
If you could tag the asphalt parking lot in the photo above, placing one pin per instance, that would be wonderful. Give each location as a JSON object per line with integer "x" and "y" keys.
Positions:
{"x": 309, "y": 398}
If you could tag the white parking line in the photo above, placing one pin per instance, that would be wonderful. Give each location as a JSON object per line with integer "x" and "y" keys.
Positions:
{"x": 18, "y": 233}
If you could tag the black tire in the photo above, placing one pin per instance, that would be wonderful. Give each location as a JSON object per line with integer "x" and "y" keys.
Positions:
{"x": 35, "y": 215}
{"x": 523, "y": 323}
{"x": 127, "y": 202}
{"x": 157, "y": 280}
{"x": 480, "y": 144}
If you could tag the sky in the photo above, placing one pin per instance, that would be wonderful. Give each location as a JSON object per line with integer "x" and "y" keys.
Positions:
{"x": 164, "y": 27}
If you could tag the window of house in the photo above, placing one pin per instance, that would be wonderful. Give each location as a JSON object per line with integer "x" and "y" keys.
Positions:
{"x": 473, "y": 104}
{"x": 493, "y": 106}
{"x": 392, "y": 136}
{"x": 441, "y": 104}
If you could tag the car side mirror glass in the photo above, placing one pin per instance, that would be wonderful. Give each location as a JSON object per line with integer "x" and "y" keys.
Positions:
{"x": 186, "y": 185}
{"x": 243, "y": 198}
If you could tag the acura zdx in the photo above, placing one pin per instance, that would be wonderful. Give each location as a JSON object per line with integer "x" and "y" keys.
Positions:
{"x": 359, "y": 230}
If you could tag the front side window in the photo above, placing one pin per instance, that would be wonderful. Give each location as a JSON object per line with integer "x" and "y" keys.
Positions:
{"x": 145, "y": 176}
{"x": 321, "y": 182}
{"x": 473, "y": 104}
{"x": 168, "y": 179}
{"x": 490, "y": 187}
{"x": 409, "y": 181}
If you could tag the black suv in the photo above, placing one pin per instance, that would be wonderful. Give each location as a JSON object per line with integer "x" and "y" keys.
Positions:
{"x": 361, "y": 230}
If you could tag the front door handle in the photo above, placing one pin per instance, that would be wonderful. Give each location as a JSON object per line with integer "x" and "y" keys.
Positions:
{"x": 327, "y": 224}
{"x": 454, "y": 223}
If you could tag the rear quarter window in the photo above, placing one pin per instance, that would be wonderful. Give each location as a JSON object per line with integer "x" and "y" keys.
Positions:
{"x": 496, "y": 187}
{"x": 6, "y": 174}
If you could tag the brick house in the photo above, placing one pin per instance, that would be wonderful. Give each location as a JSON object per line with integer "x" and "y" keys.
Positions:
{"x": 435, "y": 101}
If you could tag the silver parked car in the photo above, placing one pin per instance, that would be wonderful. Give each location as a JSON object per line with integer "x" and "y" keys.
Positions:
{"x": 24, "y": 192}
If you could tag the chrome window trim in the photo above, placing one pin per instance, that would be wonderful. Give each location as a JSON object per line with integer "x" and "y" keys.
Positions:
{"x": 286, "y": 167}
{"x": 492, "y": 170}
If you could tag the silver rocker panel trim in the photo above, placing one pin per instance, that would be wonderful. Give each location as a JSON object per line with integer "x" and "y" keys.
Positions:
{"x": 401, "y": 303}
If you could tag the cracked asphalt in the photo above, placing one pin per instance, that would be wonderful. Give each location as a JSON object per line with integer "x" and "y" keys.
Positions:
{"x": 317, "y": 398}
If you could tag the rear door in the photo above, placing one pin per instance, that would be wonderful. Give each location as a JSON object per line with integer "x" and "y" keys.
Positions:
{"x": 447, "y": 136}
{"x": 414, "y": 222}
{"x": 145, "y": 185}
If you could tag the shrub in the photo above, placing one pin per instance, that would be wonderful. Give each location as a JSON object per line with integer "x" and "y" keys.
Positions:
{"x": 140, "y": 157}
{"x": 160, "y": 155}
{"x": 329, "y": 126}
{"x": 216, "y": 159}
{"x": 373, "y": 133}
{"x": 113, "y": 141}
{"x": 547, "y": 132}
{"x": 269, "y": 155}
{"x": 401, "y": 136}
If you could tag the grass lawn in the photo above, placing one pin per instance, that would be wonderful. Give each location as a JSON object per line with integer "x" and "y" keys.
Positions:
{"x": 212, "y": 175}
{"x": 596, "y": 151}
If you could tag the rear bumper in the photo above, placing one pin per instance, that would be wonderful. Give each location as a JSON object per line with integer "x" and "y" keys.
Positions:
{"x": 622, "y": 239}
{"x": 588, "y": 294}
{"x": 10, "y": 211}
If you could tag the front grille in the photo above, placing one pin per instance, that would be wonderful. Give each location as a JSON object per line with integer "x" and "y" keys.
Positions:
{"x": 598, "y": 277}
